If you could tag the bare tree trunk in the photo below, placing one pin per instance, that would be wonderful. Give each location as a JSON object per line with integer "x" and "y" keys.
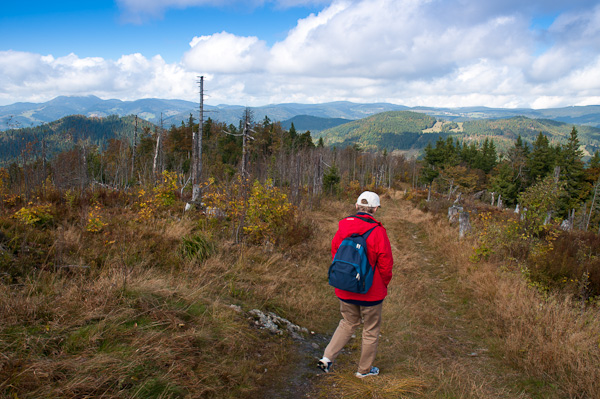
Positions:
{"x": 197, "y": 150}
{"x": 157, "y": 165}
{"x": 134, "y": 147}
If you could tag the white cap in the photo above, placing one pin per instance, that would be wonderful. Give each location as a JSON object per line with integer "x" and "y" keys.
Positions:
{"x": 372, "y": 199}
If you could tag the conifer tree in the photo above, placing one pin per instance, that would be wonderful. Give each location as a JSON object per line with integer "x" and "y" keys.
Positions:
{"x": 487, "y": 157}
{"x": 572, "y": 173}
{"x": 516, "y": 158}
{"x": 469, "y": 154}
{"x": 541, "y": 159}
{"x": 505, "y": 183}
{"x": 594, "y": 162}
{"x": 331, "y": 179}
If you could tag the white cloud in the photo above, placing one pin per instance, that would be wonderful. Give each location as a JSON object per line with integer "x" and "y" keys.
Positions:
{"x": 32, "y": 77}
{"x": 226, "y": 53}
{"x": 412, "y": 52}
{"x": 394, "y": 39}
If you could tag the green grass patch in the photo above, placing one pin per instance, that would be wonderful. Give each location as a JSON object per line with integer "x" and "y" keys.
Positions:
{"x": 157, "y": 388}
{"x": 538, "y": 389}
{"x": 82, "y": 338}
{"x": 197, "y": 247}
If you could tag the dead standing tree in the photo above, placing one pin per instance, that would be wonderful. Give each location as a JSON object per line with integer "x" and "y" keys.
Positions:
{"x": 245, "y": 137}
{"x": 197, "y": 151}
{"x": 158, "y": 153}
{"x": 134, "y": 147}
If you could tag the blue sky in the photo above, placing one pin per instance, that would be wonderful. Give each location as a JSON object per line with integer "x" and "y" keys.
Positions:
{"x": 496, "y": 53}
{"x": 94, "y": 28}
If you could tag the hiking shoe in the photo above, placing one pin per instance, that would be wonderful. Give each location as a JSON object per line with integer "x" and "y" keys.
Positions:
{"x": 324, "y": 364}
{"x": 374, "y": 371}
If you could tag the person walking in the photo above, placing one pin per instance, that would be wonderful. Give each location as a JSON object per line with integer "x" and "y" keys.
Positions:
{"x": 367, "y": 307}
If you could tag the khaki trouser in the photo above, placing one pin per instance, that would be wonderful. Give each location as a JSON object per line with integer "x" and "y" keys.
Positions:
{"x": 371, "y": 317}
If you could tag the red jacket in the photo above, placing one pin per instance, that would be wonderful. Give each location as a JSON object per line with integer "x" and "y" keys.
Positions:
{"x": 379, "y": 253}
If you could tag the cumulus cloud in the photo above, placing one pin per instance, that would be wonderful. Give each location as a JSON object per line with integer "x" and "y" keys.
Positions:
{"x": 39, "y": 78}
{"x": 394, "y": 39}
{"x": 226, "y": 53}
{"x": 412, "y": 52}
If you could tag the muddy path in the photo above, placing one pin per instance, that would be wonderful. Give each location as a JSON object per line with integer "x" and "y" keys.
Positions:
{"x": 433, "y": 343}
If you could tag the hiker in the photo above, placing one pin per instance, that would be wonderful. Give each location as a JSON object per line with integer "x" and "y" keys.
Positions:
{"x": 356, "y": 306}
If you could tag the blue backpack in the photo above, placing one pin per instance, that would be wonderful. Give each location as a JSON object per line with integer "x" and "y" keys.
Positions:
{"x": 350, "y": 269}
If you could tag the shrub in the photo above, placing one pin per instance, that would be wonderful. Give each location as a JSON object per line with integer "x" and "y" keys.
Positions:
{"x": 94, "y": 222}
{"x": 501, "y": 236}
{"x": 539, "y": 201}
{"x": 572, "y": 264}
{"x": 269, "y": 215}
{"x": 164, "y": 192}
{"x": 35, "y": 215}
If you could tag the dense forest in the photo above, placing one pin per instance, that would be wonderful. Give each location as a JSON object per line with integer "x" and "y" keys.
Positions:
{"x": 455, "y": 165}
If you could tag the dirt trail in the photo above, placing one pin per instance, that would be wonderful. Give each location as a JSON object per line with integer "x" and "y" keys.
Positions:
{"x": 430, "y": 331}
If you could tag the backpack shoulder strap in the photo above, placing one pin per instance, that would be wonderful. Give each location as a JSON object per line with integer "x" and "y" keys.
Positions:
{"x": 368, "y": 233}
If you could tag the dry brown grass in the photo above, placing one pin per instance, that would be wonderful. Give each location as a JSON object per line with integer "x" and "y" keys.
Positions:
{"x": 122, "y": 313}
{"x": 141, "y": 321}
{"x": 350, "y": 387}
{"x": 153, "y": 337}
{"x": 547, "y": 337}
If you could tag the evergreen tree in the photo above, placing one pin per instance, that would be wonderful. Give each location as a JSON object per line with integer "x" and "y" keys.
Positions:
{"x": 572, "y": 173}
{"x": 266, "y": 121}
{"x": 517, "y": 160}
{"x": 594, "y": 162}
{"x": 541, "y": 159}
{"x": 469, "y": 154}
{"x": 293, "y": 133}
{"x": 331, "y": 179}
{"x": 487, "y": 157}
{"x": 505, "y": 183}
{"x": 451, "y": 152}
{"x": 304, "y": 141}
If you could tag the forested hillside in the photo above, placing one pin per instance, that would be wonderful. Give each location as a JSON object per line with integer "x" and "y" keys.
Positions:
{"x": 312, "y": 123}
{"x": 407, "y": 130}
{"x": 390, "y": 130}
{"x": 48, "y": 140}
{"x": 505, "y": 131}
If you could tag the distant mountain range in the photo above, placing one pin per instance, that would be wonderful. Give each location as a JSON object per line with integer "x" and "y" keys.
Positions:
{"x": 313, "y": 117}
{"x": 175, "y": 111}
